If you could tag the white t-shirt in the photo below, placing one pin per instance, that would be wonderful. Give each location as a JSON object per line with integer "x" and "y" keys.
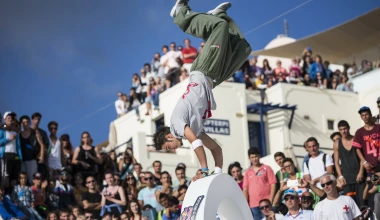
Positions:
{"x": 171, "y": 57}
{"x": 276, "y": 215}
{"x": 120, "y": 107}
{"x": 344, "y": 207}
{"x": 54, "y": 152}
{"x": 193, "y": 107}
{"x": 316, "y": 167}
{"x": 11, "y": 146}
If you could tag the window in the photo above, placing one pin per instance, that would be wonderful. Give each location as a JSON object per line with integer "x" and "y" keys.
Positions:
{"x": 330, "y": 125}
{"x": 255, "y": 135}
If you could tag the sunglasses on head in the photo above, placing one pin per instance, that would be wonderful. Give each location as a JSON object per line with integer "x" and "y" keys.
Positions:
{"x": 289, "y": 198}
{"x": 264, "y": 207}
{"x": 327, "y": 183}
{"x": 149, "y": 178}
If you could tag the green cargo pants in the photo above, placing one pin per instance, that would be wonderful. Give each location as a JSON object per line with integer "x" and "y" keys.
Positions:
{"x": 225, "y": 49}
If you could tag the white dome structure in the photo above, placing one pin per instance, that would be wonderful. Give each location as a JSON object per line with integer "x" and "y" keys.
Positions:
{"x": 279, "y": 41}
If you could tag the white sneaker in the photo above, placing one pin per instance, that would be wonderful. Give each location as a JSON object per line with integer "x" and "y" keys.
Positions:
{"x": 179, "y": 3}
{"x": 222, "y": 7}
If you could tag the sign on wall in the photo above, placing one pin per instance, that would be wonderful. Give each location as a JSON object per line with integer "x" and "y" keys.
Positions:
{"x": 217, "y": 126}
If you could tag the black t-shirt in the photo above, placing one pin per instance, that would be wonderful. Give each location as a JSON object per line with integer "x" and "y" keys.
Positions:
{"x": 93, "y": 198}
{"x": 29, "y": 146}
{"x": 156, "y": 180}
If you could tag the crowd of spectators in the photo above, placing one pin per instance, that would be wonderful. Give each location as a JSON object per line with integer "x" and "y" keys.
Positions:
{"x": 174, "y": 63}
{"x": 44, "y": 177}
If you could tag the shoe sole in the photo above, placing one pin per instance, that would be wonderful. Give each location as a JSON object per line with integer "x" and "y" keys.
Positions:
{"x": 224, "y": 6}
{"x": 172, "y": 12}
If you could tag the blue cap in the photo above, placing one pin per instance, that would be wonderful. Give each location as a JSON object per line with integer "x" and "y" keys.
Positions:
{"x": 364, "y": 109}
{"x": 290, "y": 192}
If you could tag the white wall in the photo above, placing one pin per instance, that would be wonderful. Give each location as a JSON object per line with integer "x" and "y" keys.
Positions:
{"x": 368, "y": 87}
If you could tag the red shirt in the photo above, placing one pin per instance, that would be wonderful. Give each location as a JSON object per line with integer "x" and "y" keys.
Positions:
{"x": 189, "y": 51}
{"x": 369, "y": 142}
{"x": 258, "y": 184}
{"x": 39, "y": 197}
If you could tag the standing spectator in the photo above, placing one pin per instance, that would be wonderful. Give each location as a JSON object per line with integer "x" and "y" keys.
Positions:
{"x": 67, "y": 152}
{"x": 157, "y": 167}
{"x": 377, "y": 117}
{"x": 318, "y": 164}
{"x": 144, "y": 85}
{"x": 366, "y": 141}
{"x": 350, "y": 172}
{"x": 258, "y": 176}
{"x": 170, "y": 61}
{"x": 292, "y": 202}
{"x": 329, "y": 73}
{"x": 235, "y": 170}
{"x": 150, "y": 93}
{"x": 113, "y": 197}
{"x": 307, "y": 65}
{"x": 23, "y": 197}
{"x": 54, "y": 150}
{"x": 163, "y": 199}
{"x": 267, "y": 70}
{"x": 78, "y": 188}
{"x": 320, "y": 81}
{"x": 189, "y": 54}
{"x": 166, "y": 185}
{"x": 64, "y": 190}
{"x": 86, "y": 156}
{"x": 281, "y": 174}
{"x": 30, "y": 147}
{"x": 267, "y": 210}
{"x": 149, "y": 72}
{"x": 42, "y": 168}
{"x": 92, "y": 198}
{"x": 157, "y": 68}
{"x": 307, "y": 201}
{"x": 8, "y": 210}
{"x": 147, "y": 195}
{"x": 335, "y": 206}
{"x": 316, "y": 67}
{"x": 10, "y": 151}
{"x": 119, "y": 105}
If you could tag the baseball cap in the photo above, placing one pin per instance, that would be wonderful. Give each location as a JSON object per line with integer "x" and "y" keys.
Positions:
{"x": 378, "y": 100}
{"x": 9, "y": 113}
{"x": 364, "y": 109}
{"x": 37, "y": 176}
{"x": 290, "y": 192}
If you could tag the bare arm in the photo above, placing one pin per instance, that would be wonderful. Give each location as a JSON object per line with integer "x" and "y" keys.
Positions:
{"x": 121, "y": 162}
{"x": 316, "y": 190}
{"x": 245, "y": 192}
{"x": 215, "y": 149}
{"x": 88, "y": 205}
{"x": 200, "y": 151}
{"x": 190, "y": 55}
{"x": 75, "y": 157}
{"x": 103, "y": 203}
{"x": 97, "y": 159}
{"x": 272, "y": 192}
{"x": 336, "y": 158}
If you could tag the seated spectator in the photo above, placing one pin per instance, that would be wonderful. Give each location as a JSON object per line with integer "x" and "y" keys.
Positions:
{"x": 180, "y": 193}
{"x": 333, "y": 83}
{"x": 320, "y": 81}
{"x": 78, "y": 188}
{"x": 267, "y": 210}
{"x": 172, "y": 212}
{"x": 182, "y": 179}
{"x": 119, "y": 105}
{"x": 163, "y": 200}
{"x": 135, "y": 210}
{"x": 292, "y": 78}
{"x": 52, "y": 216}
{"x": 23, "y": 197}
{"x": 136, "y": 84}
{"x": 157, "y": 68}
{"x": 235, "y": 170}
{"x": 344, "y": 84}
{"x": 64, "y": 190}
{"x": 157, "y": 168}
{"x": 92, "y": 198}
{"x": 147, "y": 195}
{"x": 113, "y": 197}
{"x": 39, "y": 192}
{"x": 316, "y": 67}
{"x": 292, "y": 202}
{"x": 9, "y": 210}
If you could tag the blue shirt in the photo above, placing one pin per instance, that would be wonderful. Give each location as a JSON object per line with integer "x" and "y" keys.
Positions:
{"x": 149, "y": 198}
{"x": 173, "y": 216}
{"x": 302, "y": 214}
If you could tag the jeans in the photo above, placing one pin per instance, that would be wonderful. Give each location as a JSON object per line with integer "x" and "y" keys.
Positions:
{"x": 257, "y": 214}
{"x": 155, "y": 99}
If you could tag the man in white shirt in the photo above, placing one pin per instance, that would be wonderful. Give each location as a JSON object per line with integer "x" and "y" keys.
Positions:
{"x": 295, "y": 212}
{"x": 119, "y": 105}
{"x": 318, "y": 164}
{"x": 335, "y": 206}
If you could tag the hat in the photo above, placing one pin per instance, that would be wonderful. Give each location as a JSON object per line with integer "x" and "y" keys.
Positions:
{"x": 290, "y": 192}
{"x": 378, "y": 100}
{"x": 364, "y": 109}
{"x": 9, "y": 113}
{"x": 37, "y": 176}
{"x": 181, "y": 165}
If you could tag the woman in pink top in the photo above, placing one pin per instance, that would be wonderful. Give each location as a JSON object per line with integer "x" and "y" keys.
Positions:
{"x": 234, "y": 170}
{"x": 279, "y": 70}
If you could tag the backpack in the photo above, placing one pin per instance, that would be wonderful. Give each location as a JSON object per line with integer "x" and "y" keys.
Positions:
{"x": 324, "y": 163}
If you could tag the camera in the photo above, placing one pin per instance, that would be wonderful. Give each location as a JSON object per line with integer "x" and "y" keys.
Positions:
{"x": 374, "y": 178}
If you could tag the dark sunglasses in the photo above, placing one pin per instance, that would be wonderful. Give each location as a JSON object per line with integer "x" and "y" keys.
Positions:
{"x": 327, "y": 183}
{"x": 307, "y": 198}
{"x": 53, "y": 128}
{"x": 91, "y": 181}
{"x": 264, "y": 207}
{"x": 150, "y": 178}
{"x": 289, "y": 198}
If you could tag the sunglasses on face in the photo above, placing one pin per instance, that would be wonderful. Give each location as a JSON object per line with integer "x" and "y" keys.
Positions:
{"x": 327, "y": 183}
{"x": 149, "y": 178}
{"x": 289, "y": 198}
{"x": 264, "y": 207}
{"x": 307, "y": 198}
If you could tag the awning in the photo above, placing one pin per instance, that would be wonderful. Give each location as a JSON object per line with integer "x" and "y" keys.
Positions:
{"x": 358, "y": 38}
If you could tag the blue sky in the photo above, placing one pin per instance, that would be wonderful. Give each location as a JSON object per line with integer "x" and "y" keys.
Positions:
{"x": 68, "y": 59}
